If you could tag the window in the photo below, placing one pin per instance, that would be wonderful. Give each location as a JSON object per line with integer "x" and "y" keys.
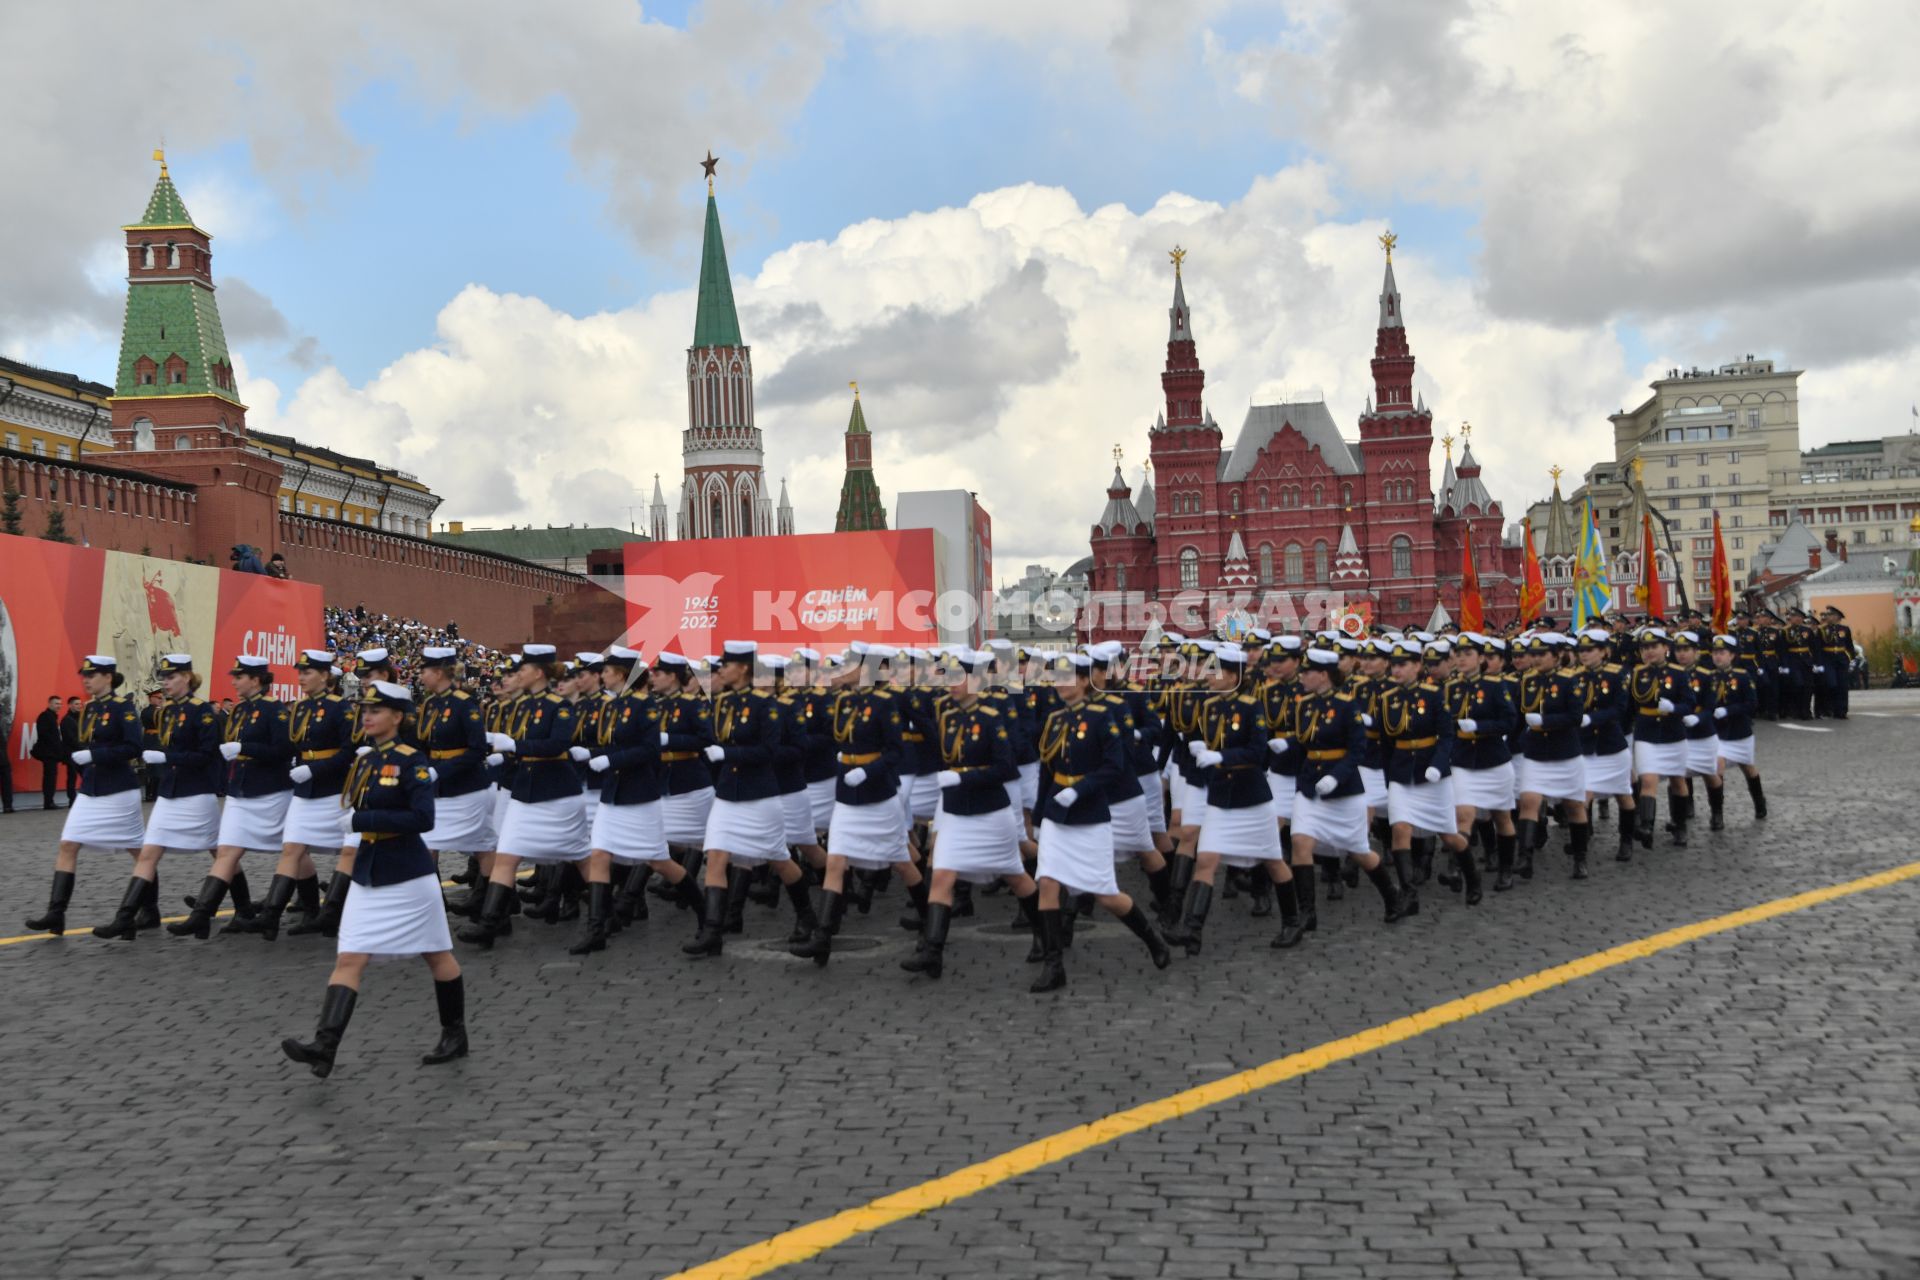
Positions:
{"x": 1189, "y": 568}
{"x": 146, "y": 377}
{"x": 1753, "y": 419}
{"x": 1723, "y": 432}
{"x": 283, "y": 502}
{"x": 1739, "y": 564}
{"x": 1859, "y": 536}
{"x": 1263, "y": 497}
{"x": 1319, "y": 496}
{"x": 1319, "y": 562}
{"x": 1402, "y": 549}
{"x": 1673, "y": 482}
{"x": 176, "y": 376}
{"x": 1739, "y": 543}
{"x": 1266, "y": 564}
{"x": 1295, "y": 569}
{"x": 1734, "y": 478}
{"x": 146, "y": 255}
{"x": 1346, "y": 495}
{"x": 1673, "y": 460}
{"x": 63, "y": 451}
{"x": 1703, "y": 459}
{"x": 173, "y": 255}
{"x": 13, "y": 441}
{"x": 39, "y": 448}
{"x": 300, "y": 506}
{"x": 1120, "y": 578}
{"x": 1236, "y": 501}
{"x": 183, "y": 442}
{"x": 1706, "y": 500}
{"x": 1734, "y": 457}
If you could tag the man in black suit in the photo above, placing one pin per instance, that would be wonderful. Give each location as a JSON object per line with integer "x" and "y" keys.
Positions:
{"x": 48, "y": 750}
{"x": 70, "y": 743}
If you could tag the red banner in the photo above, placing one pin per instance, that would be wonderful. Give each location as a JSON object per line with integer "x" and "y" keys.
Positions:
{"x": 810, "y": 590}
{"x": 59, "y": 603}
{"x": 1652, "y": 592}
{"x": 1533, "y": 587}
{"x": 1473, "y": 607}
{"x": 1722, "y": 582}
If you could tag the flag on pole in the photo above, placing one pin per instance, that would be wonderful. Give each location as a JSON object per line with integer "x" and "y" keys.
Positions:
{"x": 1652, "y": 593}
{"x": 1533, "y": 587}
{"x": 1472, "y": 607}
{"x": 1722, "y": 582}
{"x": 1592, "y": 592}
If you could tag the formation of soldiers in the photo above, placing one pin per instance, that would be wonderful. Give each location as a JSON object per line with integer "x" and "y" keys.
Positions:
{"x": 1274, "y": 769}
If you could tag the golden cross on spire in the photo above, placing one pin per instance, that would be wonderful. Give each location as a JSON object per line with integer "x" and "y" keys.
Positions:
{"x": 1446, "y": 442}
{"x": 1554, "y": 471}
{"x": 1178, "y": 255}
{"x": 1116, "y": 457}
{"x": 1387, "y": 242}
{"x": 160, "y": 154}
{"x": 856, "y": 389}
{"x": 1466, "y": 432}
{"x": 1147, "y": 467}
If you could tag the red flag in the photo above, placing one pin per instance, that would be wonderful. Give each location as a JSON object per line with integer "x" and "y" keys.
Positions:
{"x": 1533, "y": 587}
{"x": 1472, "y": 607}
{"x": 1722, "y": 582}
{"x": 1652, "y": 593}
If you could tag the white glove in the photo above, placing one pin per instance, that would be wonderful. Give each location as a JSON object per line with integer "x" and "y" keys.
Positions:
{"x": 154, "y": 757}
{"x": 433, "y": 774}
{"x": 495, "y": 760}
{"x": 84, "y": 756}
{"x": 578, "y": 754}
{"x": 363, "y": 751}
{"x": 1819, "y": 671}
{"x": 599, "y": 764}
{"x": 500, "y": 742}
{"x": 300, "y": 773}
{"x": 1785, "y": 672}
{"x": 1719, "y": 713}
{"x": 228, "y": 750}
{"x": 665, "y": 737}
{"x": 1065, "y": 797}
{"x": 1366, "y": 720}
{"x": 1586, "y": 721}
{"x": 1666, "y": 706}
{"x": 1136, "y": 735}
{"x": 1689, "y": 720}
{"x": 1326, "y": 785}
{"x": 716, "y": 753}
{"x": 1433, "y": 774}
{"x": 947, "y": 778}
{"x": 1195, "y": 746}
{"x": 1469, "y": 726}
{"x": 1278, "y": 746}
{"x": 855, "y": 777}
{"x": 1208, "y": 759}
{"x": 1535, "y": 719}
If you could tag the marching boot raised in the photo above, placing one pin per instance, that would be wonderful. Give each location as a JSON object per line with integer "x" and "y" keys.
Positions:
{"x": 327, "y": 923}
{"x": 1193, "y": 920}
{"x": 335, "y": 1011}
{"x": 266, "y": 921}
{"x": 1053, "y": 968}
{"x": 1759, "y": 795}
{"x": 493, "y": 917}
{"x": 931, "y": 955}
{"x": 593, "y": 933}
{"x": 55, "y": 919}
{"x": 1142, "y": 928}
{"x": 213, "y": 891}
{"x": 125, "y": 921}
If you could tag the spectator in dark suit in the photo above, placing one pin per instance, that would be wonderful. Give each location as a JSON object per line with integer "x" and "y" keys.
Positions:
{"x": 150, "y": 738}
{"x": 70, "y": 743}
{"x": 49, "y": 750}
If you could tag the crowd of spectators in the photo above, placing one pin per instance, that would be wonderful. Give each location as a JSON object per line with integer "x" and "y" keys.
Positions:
{"x": 355, "y": 630}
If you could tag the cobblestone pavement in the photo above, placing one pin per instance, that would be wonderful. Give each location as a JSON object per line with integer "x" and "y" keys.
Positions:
{"x": 1745, "y": 1106}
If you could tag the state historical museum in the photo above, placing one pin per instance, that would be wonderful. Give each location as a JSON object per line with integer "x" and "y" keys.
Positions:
{"x": 1294, "y": 507}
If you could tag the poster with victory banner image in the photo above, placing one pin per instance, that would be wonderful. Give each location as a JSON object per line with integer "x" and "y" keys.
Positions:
{"x": 59, "y": 603}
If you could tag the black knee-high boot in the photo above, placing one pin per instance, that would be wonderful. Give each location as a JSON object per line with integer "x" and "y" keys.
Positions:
{"x": 1503, "y": 865}
{"x": 1053, "y": 968}
{"x": 1579, "y": 836}
{"x": 1030, "y": 916}
{"x": 1193, "y": 922}
{"x": 1628, "y": 828}
{"x": 335, "y": 1011}
{"x": 241, "y": 895}
{"x": 1292, "y": 932}
{"x": 1403, "y": 874}
{"x": 266, "y": 921}
{"x": 493, "y": 916}
{"x": 713, "y": 924}
{"x": 1523, "y": 834}
{"x": 1682, "y": 814}
{"x": 930, "y": 957}
{"x": 736, "y": 912}
{"x": 1759, "y": 795}
{"x": 205, "y": 903}
{"x": 123, "y": 925}
{"x": 804, "y": 919}
{"x": 451, "y": 997}
{"x": 1423, "y": 847}
{"x": 1470, "y": 872}
{"x": 471, "y": 873}
{"x": 1489, "y": 847}
{"x": 1260, "y": 887}
{"x": 818, "y": 946}
{"x": 1304, "y": 879}
{"x": 1646, "y": 814}
{"x": 306, "y": 894}
{"x": 630, "y": 903}
{"x": 1717, "y": 808}
{"x": 1142, "y": 928}
{"x": 1160, "y": 884}
{"x": 914, "y": 917}
{"x": 593, "y": 933}
{"x": 148, "y": 917}
{"x": 54, "y": 921}
{"x": 1181, "y": 868}
{"x": 962, "y": 898}
{"x": 1383, "y": 884}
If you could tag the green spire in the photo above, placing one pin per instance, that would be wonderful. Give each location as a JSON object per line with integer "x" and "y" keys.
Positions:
{"x": 860, "y": 504}
{"x": 174, "y": 320}
{"x": 715, "y": 324}
{"x": 857, "y": 424}
{"x": 165, "y": 208}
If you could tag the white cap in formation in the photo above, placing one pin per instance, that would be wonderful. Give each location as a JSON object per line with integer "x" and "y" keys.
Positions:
{"x": 531, "y": 652}
{"x": 1000, "y": 644}
{"x": 880, "y": 650}
{"x": 774, "y": 662}
{"x": 588, "y": 659}
{"x": 389, "y": 692}
{"x": 430, "y": 652}
{"x": 1289, "y": 645}
{"x": 806, "y": 655}
{"x": 246, "y": 662}
{"x": 673, "y": 660}
{"x": 373, "y": 657}
{"x": 739, "y": 648}
{"x": 622, "y": 654}
{"x": 1080, "y": 661}
{"x": 1231, "y": 654}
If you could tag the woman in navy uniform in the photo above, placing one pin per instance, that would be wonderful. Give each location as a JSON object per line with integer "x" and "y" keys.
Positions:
{"x": 686, "y": 731}
{"x": 790, "y": 760}
{"x": 1083, "y": 762}
{"x": 1603, "y": 742}
{"x": 395, "y": 910}
{"x": 543, "y": 815}
{"x": 1483, "y": 773}
{"x": 106, "y": 810}
{"x": 1185, "y": 703}
{"x": 1419, "y": 736}
{"x": 746, "y": 826}
{"x": 1330, "y": 803}
{"x": 1703, "y": 744}
{"x": 972, "y": 838}
{"x": 629, "y": 827}
{"x": 814, "y": 710}
{"x": 453, "y": 732}
{"x": 320, "y": 731}
{"x": 1231, "y": 749}
{"x": 184, "y": 758}
{"x": 1551, "y": 765}
{"x": 1662, "y": 697}
{"x": 1735, "y": 699}
{"x": 1138, "y": 796}
{"x": 256, "y": 748}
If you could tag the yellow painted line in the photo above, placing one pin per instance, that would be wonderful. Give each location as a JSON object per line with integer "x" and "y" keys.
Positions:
{"x": 814, "y": 1238}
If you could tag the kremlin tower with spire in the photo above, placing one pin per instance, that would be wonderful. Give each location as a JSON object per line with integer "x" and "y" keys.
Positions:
{"x": 1293, "y": 507}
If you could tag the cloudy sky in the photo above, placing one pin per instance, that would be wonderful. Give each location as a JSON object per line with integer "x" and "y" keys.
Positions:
{"x": 461, "y": 237}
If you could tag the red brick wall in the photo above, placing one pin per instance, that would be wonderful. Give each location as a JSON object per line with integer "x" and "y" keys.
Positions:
{"x": 118, "y": 513}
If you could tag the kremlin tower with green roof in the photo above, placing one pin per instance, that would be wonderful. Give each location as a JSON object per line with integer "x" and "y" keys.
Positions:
{"x": 860, "y": 505}
{"x": 174, "y": 387}
{"x": 724, "y": 490}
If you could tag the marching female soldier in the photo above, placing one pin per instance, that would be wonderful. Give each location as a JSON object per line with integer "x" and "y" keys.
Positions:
{"x": 1609, "y": 756}
{"x": 320, "y": 733}
{"x": 1132, "y": 807}
{"x": 1703, "y": 744}
{"x": 1419, "y": 736}
{"x": 1184, "y": 703}
{"x": 452, "y": 730}
{"x": 972, "y": 838}
{"x": 686, "y": 731}
{"x": 186, "y": 812}
{"x": 790, "y": 761}
{"x": 1551, "y": 764}
{"x": 258, "y": 790}
{"x": 1483, "y": 774}
{"x": 106, "y": 810}
{"x": 543, "y": 814}
{"x": 1330, "y": 804}
{"x": 395, "y": 910}
{"x": 814, "y": 710}
{"x": 1735, "y": 699}
{"x": 1661, "y": 698}
{"x": 1082, "y": 761}
{"x": 629, "y": 827}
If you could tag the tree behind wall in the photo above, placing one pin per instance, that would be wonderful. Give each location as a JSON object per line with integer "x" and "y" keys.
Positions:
{"x": 10, "y": 511}
{"x": 57, "y": 526}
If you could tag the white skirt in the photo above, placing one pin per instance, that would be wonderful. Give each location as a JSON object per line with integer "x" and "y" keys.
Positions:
{"x": 1177, "y": 794}
{"x": 1242, "y": 837}
{"x": 1611, "y": 775}
{"x": 1375, "y": 781}
{"x": 1078, "y": 858}
{"x": 1667, "y": 759}
{"x": 109, "y": 822}
{"x": 920, "y": 793}
{"x": 1131, "y": 834}
{"x": 544, "y": 830}
{"x": 1425, "y": 806}
{"x": 1284, "y": 790}
{"x": 395, "y": 921}
{"x": 589, "y": 805}
{"x": 1015, "y": 816}
{"x": 870, "y": 836}
{"x": 255, "y": 823}
{"x": 977, "y": 846}
{"x": 1489, "y": 789}
{"x": 315, "y": 820}
{"x": 796, "y": 814}
{"x": 820, "y": 803}
{"x": 191, "y": 822}
{"x": 1156, "y": 802}
{"x": 1737, "y": 750}
{"x": 1193, "y": 808}
{"x": 1030, "y": 785}
{"x": 631, "y": 832}
{"x": 1553, "y": 779}
{"x": 1703, "y": 756}
{"x": 462, "y": 824}
{"x": 685, "y": 817}
{"x": 1339, "y": 824}
{"x": 750, "y": 831}
{"x": 499, "y": 798}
